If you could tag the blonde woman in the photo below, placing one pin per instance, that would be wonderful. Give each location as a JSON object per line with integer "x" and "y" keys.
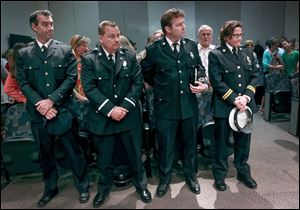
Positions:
{"x": 80, "y": 45}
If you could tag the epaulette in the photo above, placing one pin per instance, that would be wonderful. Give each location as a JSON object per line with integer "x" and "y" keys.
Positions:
{"x": 189, "y": 40}
{"x": 93, "y": 51}
{"x": 218, "y": 47}
{"x": 123, "y": 49}
{"x": 156, "y": 42}
{"x": 59, "y": 42}
{"x": 30, "y": 44}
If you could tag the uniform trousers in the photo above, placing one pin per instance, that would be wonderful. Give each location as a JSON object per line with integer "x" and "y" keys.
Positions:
{"x": 166, "y": 135}
{"x": 73, "y": 154}
{"x": 132, "y": 142}
{"x": 241, "y": 150}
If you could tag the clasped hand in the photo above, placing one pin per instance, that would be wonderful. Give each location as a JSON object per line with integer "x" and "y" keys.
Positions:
{"x": 118, "y": 113}
{"x": 241, "y": 102}
{"x": 45, "y": 108}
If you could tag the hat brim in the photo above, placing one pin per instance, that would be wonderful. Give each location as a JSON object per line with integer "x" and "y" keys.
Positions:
{"x": 231, "y": 119}
{"x": 243, "y": 120}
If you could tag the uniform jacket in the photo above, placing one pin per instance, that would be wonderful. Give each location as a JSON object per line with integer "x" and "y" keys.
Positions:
{"x": 51, "y": 75}
{"x": 106, "y": 87}
{"x": 170, "y": 76}
{"x": 231, "y": 77}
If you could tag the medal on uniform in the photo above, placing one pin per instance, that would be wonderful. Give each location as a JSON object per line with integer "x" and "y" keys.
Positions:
{"x": 192, "y": 55}
{"x": 248, "y": 60}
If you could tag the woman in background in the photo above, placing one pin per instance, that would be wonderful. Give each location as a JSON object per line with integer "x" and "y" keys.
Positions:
{"x": 80, "y": 45}
{"x": 11, "y": 87}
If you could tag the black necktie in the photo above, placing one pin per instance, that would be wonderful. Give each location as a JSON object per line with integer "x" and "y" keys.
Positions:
{"x": 44, "y": 52}
{"x": 44, "y": 49}
{"x": 175, "y": 48}
{"x": 111, "y": 61}
{"x": 235, "y": 52}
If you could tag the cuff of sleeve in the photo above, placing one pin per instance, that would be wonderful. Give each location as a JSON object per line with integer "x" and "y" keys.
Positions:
{"x": 128, "y": 104}
{"x": 109, "y": 113}
{"x": 248, "y": 98}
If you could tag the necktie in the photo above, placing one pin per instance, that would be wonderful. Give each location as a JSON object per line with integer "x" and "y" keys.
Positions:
{"x": 235, "y": 52}
{"x": 111, "y": 61}
{"x": 175, "y": 48}
{"x": 44, "y": 49}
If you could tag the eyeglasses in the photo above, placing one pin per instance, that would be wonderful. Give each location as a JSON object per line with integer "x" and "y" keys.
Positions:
{"x": 236, "y": 36}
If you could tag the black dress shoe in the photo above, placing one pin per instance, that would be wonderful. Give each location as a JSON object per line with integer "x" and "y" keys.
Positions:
{"x": 145, "y": 195}
{"x": 47, "y": 197}
{"x": 220, "y": 185}
{"x": 161, "y": 189}
{"x": 194, "y": 186}
{"x": 84, "y": 197}
{"x": 99, "y": 199}
{"x": 248, "y": 181}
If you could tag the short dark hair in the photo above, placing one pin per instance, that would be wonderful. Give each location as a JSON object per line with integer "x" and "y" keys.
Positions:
{"x": 228, "y": 28}
{"x": 33, "y": 16}
{"x": 105, "y": 23}
{"x": 168, "y": 16}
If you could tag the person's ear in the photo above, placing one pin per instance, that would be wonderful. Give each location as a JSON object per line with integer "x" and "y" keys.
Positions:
{"x": 34, "y": 27}
{"x": 168, "y": 29}
{"x": 100, "y": 39}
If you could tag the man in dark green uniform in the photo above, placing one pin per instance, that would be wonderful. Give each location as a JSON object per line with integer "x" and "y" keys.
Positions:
{"x": 46, "y": 73}
{"x": 233, "y": 73}
{"x": 112, "y": 81}
{"x": 171, "y": 66}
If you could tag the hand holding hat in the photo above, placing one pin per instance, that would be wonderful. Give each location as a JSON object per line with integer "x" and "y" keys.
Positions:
{"x": 241, "y": 102}
{"x": 241, "y": 120}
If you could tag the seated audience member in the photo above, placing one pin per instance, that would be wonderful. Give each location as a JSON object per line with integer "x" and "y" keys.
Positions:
{"x": 11, "y": 87}
{"x": 80, "y": 45}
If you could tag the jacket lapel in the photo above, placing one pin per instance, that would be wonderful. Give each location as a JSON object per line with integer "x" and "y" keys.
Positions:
{"x": 120, "y": 60}
{"x": 37, "y": 51}
{"x": 183, "y": 48}
{"x": 228, "y": 54}
{"x": 51, "y": 49}
{"x": 242, "y": 57}
{"x": 103, "y": 59}
{"x": 166, "y": 48}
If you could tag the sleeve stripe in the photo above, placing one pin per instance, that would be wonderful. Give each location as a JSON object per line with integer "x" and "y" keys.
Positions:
{"x": 130, "y": 101}
{"x": 102, "y": 105}
{"x": 251, "y": 88}
{"x": 227, "y": 94}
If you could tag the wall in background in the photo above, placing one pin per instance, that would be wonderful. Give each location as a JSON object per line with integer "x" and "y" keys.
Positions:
{"x": 138, "y": 20}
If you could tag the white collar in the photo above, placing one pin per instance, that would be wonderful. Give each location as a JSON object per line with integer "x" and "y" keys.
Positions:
{"x": 46, "y": 44}
{"x": 229, "y": 47}
{"x": 210, "y": 47}
{"x": 107, "y": 54}
{"x": 170, "y": 42}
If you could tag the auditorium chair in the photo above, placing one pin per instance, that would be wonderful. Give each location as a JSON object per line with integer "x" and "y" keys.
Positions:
{"x": 19, "y": 149}
{"x": 277, "y": 95}
{"x": 294, "y": 120}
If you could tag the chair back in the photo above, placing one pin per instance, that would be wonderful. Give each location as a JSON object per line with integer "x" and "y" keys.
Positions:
{"x": 19, "y": 150}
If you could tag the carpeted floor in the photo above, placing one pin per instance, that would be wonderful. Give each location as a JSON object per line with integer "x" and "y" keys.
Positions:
{"x": 274, "y": 160}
